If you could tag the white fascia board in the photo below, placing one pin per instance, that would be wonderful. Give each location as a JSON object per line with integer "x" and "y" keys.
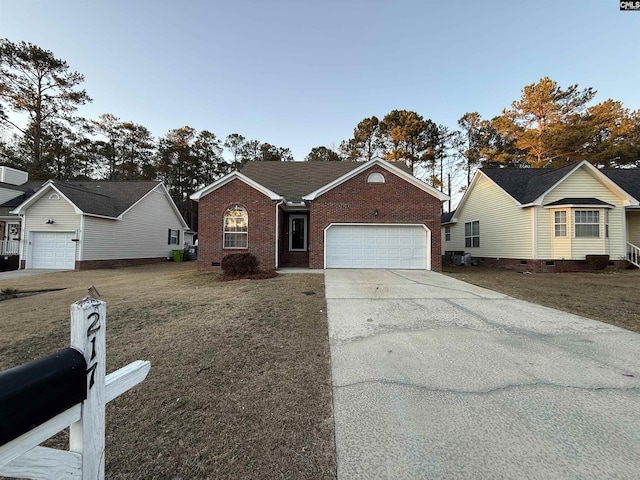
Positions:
{"x": 387, "y": 166}
{"x": 233, "y": 176}
{"x": 628, "y": 199}
{"x": 476, "y": 178}
{"x": 49, "y": 185}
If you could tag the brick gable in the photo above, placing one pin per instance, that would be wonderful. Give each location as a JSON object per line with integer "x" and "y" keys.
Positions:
{"x": 355, "y": 201}
{"x": 261, "y": 217}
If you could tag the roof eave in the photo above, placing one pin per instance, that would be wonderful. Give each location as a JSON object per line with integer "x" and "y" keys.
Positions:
{"x": 39, "y": 194}
{"x": 387, "y": 166}
{"x": 601, "y": 176}
{"x": 232, "y": 176}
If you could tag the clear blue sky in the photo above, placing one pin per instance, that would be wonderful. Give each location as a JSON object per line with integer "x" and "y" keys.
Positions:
{"x": 300, "y": 74}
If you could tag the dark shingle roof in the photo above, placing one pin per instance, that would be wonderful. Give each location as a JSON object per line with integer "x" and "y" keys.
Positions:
{"x": 446, "y": 217}
{"x": 108, "y": 199}
{"x": 578, "y": 201}
{"x": 28, "y": 189}
{"x": 294, "y": 180}
{"x": 526, "y": 184}
{"x": 626, "y": 178}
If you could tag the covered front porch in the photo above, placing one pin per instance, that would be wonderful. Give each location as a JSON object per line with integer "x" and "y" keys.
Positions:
{"x": 293, "y": 238}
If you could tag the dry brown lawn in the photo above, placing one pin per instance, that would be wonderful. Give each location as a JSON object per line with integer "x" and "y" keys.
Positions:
{"x": 239, "y": 384}
{"x": 611, "y": 296}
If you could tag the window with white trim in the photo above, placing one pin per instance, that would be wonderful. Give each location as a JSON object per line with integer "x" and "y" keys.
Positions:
{"x": 472, "y": 234}
{"x": 447, "y": 233}
{"x": 236, "y": 231}
{"x": 606, "y": 224}
{"x": 375, "y": 177}
{"x": 587, "y": 224}
{"x": 560, "y": 223}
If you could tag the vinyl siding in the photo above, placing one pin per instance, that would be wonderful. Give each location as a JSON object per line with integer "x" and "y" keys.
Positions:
{"x": 13, "y": 176}
{"x": 7, "y": 194}
{"x": 142, "y": 232}
{"x": 582, "y": 184}
{"x": 505, "y": 229}
{"x": 60, "y": 211}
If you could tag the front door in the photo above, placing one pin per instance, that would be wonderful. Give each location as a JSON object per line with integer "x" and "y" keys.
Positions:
{"x": 297, "y": 233}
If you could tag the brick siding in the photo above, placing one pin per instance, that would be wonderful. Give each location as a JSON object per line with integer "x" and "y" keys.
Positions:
{"x": 542, "y": 266}
{"x": 123, "y": 262}
{"x": 261, "y": 216}
{"x": 355, "y": 201}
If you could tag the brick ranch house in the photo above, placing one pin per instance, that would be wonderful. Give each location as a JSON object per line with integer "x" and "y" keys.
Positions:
{"x": 321, "y": 215}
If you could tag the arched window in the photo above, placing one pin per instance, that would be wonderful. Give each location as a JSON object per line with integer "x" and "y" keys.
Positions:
{"x": 236, "y": 224}
{"x": 54, "y": 196}
{"x": 375, "y": 177}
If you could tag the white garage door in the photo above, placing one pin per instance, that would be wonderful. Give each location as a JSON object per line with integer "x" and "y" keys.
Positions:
{"x": 53, "y": 250}
{"x": 376, "y": 246}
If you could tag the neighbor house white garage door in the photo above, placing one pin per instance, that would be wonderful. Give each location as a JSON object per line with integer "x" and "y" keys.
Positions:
{"x": 376, "y": 246}
{"x": 53, "y": 250}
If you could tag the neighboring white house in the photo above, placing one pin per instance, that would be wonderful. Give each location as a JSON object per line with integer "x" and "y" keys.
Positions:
{"x": 14, "y": 189}
{"x": 546, "y": 219}
{"x": 92, "y": 224}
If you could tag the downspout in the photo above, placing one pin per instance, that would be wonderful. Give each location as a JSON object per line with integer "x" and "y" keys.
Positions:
{"x": 535, "y": 232}
{"x": 278, "y": 203}
{"x": 80, "y": 236}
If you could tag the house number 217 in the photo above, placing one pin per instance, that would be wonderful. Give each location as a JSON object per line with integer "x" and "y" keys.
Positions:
{"x": 91, "y": 332}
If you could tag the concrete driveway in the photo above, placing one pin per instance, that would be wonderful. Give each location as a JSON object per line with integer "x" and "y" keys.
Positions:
{"x": 25, "y": 273}
{"x": 436, "y": 378}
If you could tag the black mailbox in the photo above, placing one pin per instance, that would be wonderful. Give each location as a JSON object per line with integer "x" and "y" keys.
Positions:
{"x": 37, "y": 391}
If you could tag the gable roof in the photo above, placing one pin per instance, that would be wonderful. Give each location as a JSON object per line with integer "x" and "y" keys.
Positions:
{"x": 294, "y": 180}
{"x": 397, "y": 170}
{"x": 527, "y": 184}
{"x": 99, "y": 198}
{"x": 626, "y": 178}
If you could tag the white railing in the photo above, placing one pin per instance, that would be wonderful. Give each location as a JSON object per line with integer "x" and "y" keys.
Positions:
{"x": 9, "y": 247}
{"x": 633, "y": 254}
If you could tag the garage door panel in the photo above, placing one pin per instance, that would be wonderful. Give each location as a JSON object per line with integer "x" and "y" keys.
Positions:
{"x": 376, "y": 246}
{"x": 53, "y": 250}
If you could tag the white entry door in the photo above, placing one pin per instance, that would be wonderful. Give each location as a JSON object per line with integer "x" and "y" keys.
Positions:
{"x": 54, "y": 250}
{"x": 377, "y": 246}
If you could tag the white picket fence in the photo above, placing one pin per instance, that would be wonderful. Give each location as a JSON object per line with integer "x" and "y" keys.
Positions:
{"x": 24, "y": 458}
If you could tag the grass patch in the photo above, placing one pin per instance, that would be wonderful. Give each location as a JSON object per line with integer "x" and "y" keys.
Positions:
{"x": 610, "y": 296}
{"x": 239, "y": 384}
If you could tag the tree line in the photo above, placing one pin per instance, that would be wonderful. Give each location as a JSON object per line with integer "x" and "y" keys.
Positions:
{"x": 548, "y": 126}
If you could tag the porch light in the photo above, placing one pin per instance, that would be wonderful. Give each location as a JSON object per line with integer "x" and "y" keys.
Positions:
{"x": 50, "y": 221}
{"x": 375, "y": 212}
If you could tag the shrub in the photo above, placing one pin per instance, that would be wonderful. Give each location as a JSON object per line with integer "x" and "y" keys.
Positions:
{"x": 239, "y": 264}
{"x": 597, "y": 262}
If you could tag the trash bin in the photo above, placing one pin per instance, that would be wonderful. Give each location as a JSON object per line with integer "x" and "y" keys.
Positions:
{"x": 177, "y": 255}
{"x": 190, "y": 253}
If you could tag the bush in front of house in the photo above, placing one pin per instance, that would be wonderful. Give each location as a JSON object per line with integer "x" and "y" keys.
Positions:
{"x": 597, "y": 262}
{"x": 236, "y": 264}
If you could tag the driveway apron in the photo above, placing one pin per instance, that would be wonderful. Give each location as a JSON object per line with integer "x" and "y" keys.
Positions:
{"x": 436, "y": 378}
